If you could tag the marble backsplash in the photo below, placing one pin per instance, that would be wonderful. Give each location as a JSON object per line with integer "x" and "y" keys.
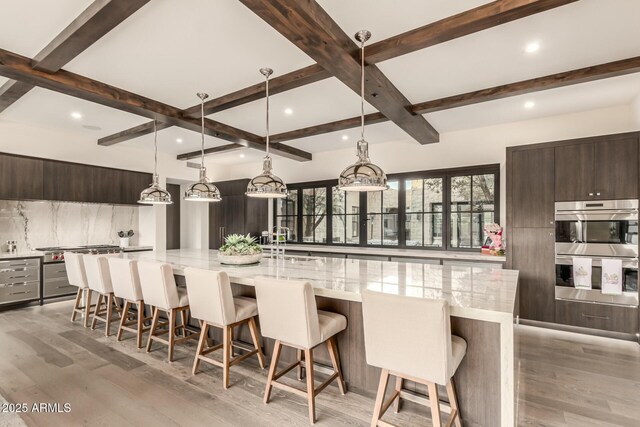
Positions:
{"x": 35, "y": 224}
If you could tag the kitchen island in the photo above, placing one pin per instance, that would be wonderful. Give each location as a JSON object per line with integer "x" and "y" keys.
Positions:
{"x": 482, "y": 305}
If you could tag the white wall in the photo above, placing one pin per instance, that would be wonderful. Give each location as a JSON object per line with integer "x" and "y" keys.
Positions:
{"x": 194, "y": 223}
{"x": 456, "y": 149}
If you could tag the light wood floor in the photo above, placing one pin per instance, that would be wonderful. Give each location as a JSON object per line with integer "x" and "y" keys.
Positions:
{"x": 564, "y": 379}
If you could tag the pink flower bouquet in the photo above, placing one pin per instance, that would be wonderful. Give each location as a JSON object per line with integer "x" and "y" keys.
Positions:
{"x": 494, "y": 231}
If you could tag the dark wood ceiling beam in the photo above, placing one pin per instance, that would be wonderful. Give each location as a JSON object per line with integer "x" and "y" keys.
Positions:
{"x": 94, "y": 22}
{"x": 313, "y": 31}
{"x": 463, "y": 24}
{"x": 197, "y": 154}
{"x": 18, "y": 67}
{"x": 450, "y": 28}
{"x": 553, "y": 81}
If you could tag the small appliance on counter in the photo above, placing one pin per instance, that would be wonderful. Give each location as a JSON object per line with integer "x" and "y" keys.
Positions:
{"x": 264, "y": 238}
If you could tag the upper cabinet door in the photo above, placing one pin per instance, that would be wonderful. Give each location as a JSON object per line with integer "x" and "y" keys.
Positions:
{"x": 20, "y": 178}
{"x": 616, "y": 169}
{"x": 69, "y": 182}
{"x": 532, "y": 191}
{"x": 574, "y": 172}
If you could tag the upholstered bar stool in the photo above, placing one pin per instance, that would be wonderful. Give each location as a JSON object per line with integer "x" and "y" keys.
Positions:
{"x": 160, "y": 291}
{"x": 126, "y": 286}
{"x": 289, "y": 315}
{"x": 212, "y": 303}
{"x": 410, "y": 338}
{"x": 99, "y": 280}
{"x": 77, "y": 276}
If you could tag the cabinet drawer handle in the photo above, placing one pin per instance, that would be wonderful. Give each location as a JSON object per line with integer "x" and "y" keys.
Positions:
{"x": 19, "y": 293}
{"x": 20, "y": 277}
{"x": 591, "y": 194}
{"x": 591, "y": 316}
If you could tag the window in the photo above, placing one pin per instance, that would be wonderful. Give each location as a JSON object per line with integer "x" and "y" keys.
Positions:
{"x": 423, "y": 212}
{"x": 382, "y": 216}
{"x": 472, "y": 206}
{"x": 314, "y": 215}
{"x": 287, "y": 215}
{"x": 443, "y": 209}
{"x": 345, "y": 217}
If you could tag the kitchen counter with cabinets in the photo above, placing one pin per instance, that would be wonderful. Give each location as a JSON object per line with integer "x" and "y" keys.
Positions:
{"x": 482, "y": 302}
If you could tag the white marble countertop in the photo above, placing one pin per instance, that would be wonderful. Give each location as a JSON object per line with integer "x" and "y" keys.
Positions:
{"x": 395, "y": 252}
{"x": 472, "y": 292}
{"x": 20, "y": 254}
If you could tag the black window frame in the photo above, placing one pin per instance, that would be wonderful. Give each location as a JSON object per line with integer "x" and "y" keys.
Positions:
{"x": 445, "y": 174}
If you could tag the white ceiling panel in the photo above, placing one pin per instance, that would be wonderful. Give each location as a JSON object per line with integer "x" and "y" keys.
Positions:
{"x": 587, "y": 96}
{"x": 387, "y": 18}
{"x": 577, "y": 35}
{"x": 169, "y": 50}
{"x": 313, "y": 104}
{"x": 29, "y": 25}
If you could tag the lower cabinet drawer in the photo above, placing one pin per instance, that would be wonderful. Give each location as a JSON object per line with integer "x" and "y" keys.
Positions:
{"x": 58, "y": 286}
{"x": 597, "y": 316}
{"x": 19, "y": 292}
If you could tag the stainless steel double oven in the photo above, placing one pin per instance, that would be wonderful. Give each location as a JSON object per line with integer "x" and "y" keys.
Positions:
{"x": 597, "y": 230}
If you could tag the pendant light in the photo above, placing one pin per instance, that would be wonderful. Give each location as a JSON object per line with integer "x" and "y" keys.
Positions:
{"x": 154, "y": 194}
{"x": 203, "y": 190}
{"x": 362, "y": 175}
{"x": 266, "y": 185}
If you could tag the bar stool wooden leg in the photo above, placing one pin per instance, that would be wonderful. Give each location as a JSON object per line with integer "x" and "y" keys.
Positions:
{"x": 125, "y": 316}
{"x": 87, "y": 306}
{"x": 382, "y": 389}
{"x": 227, "y": 336}
{"x": 110, "y": 302}
{"x": 76, "y": 305}
{"x": 272, "y": 370}
{"x": 204, "y": 331}
{"x": 435, "y": 404}
{"x": 453, "y": 401}
{"x": 154, "y": 325}
{"x": 299, "y": 368}
{"x": 396, "y": 403}
{"x": 140, "y": 323}
{"x": 253, "y": 328}
{"x": 183, "y": 315}
{"x": 96, "y": 312}
{"x": 335, "y": 360}
{"x": 311, "y": 389}
{"x": 172, "y": 332}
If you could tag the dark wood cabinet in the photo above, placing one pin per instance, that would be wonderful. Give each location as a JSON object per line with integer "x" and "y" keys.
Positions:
{"x": 236, "y": 213}
{"x": 597, "y": 316}
{"x": 532, "y": 187}
{"x": 173, "y": 217}
{"x": 20, "y": 178}
{"x": 616, "y": 169}
{"x": 605, "y": 169}
{"x": 533, "y": 256}
{"x": 69, "y": 182}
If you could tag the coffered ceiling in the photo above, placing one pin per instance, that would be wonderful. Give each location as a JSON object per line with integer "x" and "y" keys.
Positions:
{"x": 169, "y": 50}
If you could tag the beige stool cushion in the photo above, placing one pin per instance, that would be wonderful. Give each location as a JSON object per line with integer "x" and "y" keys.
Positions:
{"x": 245, "y": 308}
{"x": 330, "y": 324}
{"x": 76, "y": 272}
{"x": 98, "y": 274}
{"x": 125, "y": 278}
{"x": 411, "y": 336}
{"x": 159, "y": 286}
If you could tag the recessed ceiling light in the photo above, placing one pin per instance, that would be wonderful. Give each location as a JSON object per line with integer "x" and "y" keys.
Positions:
{"x": 242, "y": 155}
{"x": 288, "y": 111}
{"x": 532, "y": 47}
{"x": 179, "y": 140}
{"x": 345, "y": 137}
{"x": 76, "y": 115}
{"x": 529, "y": 105}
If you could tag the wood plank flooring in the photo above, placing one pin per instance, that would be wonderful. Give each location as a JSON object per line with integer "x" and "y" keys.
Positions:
{"x": 564, "y": 379}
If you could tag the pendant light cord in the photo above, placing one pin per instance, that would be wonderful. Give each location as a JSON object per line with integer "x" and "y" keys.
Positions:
{"x": 362, "y": 90}
{"x": 267, "y": 118}
{"x": 202, "y": 133}
{"x": 155, "y": 149}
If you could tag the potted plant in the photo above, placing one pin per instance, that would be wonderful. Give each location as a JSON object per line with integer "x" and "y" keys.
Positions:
{"x": 239, "y": 249}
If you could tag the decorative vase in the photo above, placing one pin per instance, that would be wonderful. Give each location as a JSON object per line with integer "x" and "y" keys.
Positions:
{"x": 239, "y": 259}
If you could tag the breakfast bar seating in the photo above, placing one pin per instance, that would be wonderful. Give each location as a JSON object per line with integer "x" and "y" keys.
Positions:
{"x": 288, "y": 314}
{"x": 99, "y": 280}
{"x": 213, "y": 304}
{"x": 77, "y": 276}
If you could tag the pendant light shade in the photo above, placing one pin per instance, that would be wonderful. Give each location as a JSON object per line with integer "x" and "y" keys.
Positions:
{"x": 203, "y": 190}
{"x": 362, "y": 175}
{"x": 267, "y": 185}
{"x": 155, "y": 194}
